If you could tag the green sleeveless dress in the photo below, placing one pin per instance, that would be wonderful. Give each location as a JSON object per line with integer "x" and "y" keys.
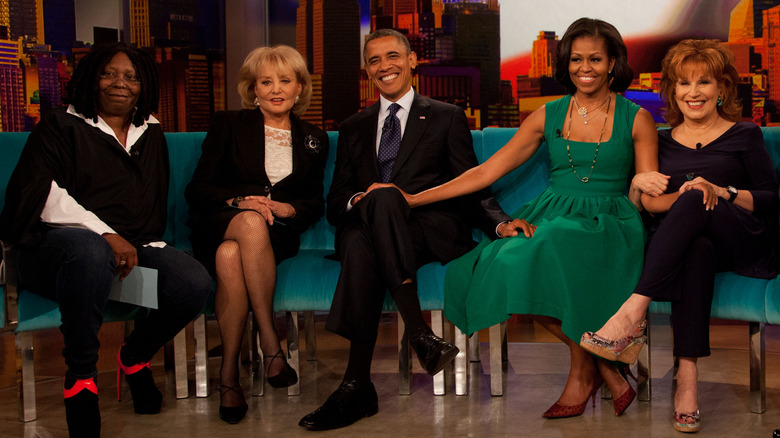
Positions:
{"x": 586, "y": 255}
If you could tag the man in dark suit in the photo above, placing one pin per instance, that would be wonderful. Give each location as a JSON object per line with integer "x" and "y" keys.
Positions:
{"x": 415, "y": 143}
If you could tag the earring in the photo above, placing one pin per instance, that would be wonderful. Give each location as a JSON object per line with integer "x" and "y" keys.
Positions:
{"x": 257, "y": 102}
{"x": 720, "y": 101}
{"x": 297, "y": 98}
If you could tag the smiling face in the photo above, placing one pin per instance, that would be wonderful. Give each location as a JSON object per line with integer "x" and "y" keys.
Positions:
{"x": 390, "y": 67}
{"x": 696, "y": 92}
{"x": 276, "y": 90}
{"x": 590, "y": 64}
{"x": 118, "y": 88}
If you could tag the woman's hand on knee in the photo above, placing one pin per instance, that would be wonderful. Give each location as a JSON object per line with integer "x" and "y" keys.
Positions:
{"x": 262, "y": 205}
{"x": 125, "y": 254}
{"x": 709, "y": 191}
{"x": 407, "y": 197}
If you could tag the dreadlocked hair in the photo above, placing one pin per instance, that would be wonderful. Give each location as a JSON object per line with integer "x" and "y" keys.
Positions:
{"x": 82, "y": 89}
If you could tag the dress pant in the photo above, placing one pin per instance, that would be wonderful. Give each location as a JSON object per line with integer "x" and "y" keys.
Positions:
{"x": 683, "y": 255}
{"x": 76, "y": 268}
{"x": 382, "y": 243}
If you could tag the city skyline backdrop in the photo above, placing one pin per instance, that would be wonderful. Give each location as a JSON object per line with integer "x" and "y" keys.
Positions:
{"x": 493, "y": 58}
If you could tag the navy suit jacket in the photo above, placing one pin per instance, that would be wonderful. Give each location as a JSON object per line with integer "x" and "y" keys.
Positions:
{"x": 436, "y": 147}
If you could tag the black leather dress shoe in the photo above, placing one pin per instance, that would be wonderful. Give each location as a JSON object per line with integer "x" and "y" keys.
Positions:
{"x": 352, "y": 401}
{"x": 433, "y": 352}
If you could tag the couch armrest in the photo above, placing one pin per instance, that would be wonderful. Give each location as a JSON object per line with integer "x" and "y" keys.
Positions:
{"x": 8, "y": 279}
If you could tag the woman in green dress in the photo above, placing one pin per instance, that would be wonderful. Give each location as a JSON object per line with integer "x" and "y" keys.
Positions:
{"x": 579, "y": 245}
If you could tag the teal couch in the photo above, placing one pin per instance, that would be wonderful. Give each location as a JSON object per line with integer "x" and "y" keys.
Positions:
{"x": 306, "y": 282}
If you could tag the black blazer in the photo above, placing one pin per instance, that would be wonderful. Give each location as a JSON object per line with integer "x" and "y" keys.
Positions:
{"x": 233, "y": 164}
{"x": 436, "y": 147}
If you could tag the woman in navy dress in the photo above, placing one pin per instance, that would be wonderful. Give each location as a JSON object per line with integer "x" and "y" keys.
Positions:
{"x": 720, "y": 213}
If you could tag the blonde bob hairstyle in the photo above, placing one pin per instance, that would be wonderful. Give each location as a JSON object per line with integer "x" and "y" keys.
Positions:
{"x": 716, "y": 60}
{"x": 280, "y": 59}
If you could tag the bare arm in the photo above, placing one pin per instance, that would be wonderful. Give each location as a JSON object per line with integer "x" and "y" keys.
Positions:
{"x": 517, "y": 151}
{"x": 647, "y": 179}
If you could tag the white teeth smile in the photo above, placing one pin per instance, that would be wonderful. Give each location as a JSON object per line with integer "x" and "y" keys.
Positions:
{"x": 389, "y": 77}
{"x": 696, "y": 104}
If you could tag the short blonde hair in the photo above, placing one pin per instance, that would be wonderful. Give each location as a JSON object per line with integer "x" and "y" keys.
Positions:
{"x": 716, "y": 60}
{"x": 279, "y": 58}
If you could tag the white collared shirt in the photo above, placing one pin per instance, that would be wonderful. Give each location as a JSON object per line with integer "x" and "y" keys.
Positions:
{"x": 62, "y": 210}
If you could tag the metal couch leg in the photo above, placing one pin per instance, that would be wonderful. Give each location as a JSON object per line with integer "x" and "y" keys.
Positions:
{"x": 757, "y": 367}
{"x": 462, "y": 362}
{"x": 310, "y": 334}
{"x": 25, "y": 376}
{"x": 474, "y": 347}
{"x": 643, "y": 382}
{"x": 497, "y": 355}
{"x": 293, "y": 356}
{"x": 404, "y": 360}
{"x": 180, "y": 364}
{"x": 201, "y": 357}
{"x": 437, "y": 325}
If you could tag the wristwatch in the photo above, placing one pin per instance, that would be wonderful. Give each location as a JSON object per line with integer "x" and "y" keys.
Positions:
{"x": 732, "y": 193}
{"x": 237, "y": 200}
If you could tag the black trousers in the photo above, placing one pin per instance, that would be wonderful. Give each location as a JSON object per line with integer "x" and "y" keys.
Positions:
{"x": 383, "y": 243}
{"x": 683, "y": 255}
{"x": 76, "y": 268}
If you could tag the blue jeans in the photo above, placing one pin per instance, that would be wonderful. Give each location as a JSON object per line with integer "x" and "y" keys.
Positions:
{"x": 76, "y": 268}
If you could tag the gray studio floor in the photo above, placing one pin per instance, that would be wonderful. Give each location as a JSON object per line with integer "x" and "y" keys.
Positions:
{"x": 537, "y": 371}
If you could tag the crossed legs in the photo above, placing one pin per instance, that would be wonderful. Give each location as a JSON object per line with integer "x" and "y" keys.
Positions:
{"x": 246, "y": 277}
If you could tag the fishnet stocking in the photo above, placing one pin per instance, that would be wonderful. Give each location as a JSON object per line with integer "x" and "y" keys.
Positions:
{"x": 246, "y": 277}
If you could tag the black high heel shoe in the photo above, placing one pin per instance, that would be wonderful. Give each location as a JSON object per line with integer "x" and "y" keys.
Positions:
{"x": 147, "y": 399}
{"x": 81, "y": 408}
{"x": 231, "y": 414}
{"x": 287, "y": 377}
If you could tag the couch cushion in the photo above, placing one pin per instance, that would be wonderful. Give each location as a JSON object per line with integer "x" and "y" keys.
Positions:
{"x": 308, "y": 282}
{"x": 736, "y": 297}
{"x": 522, "y": 184}
{"x": 773, "y": 301}
{"x": 37, "y": 312}
{"x": 11, "y": 149}
{"x": 184, "y": 149}
{"x": 321, "y": 236}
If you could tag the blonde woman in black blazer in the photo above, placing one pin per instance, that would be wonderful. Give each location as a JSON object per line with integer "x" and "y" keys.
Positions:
{"x": 257, "y": 187}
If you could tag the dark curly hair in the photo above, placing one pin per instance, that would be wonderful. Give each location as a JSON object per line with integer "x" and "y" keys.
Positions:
{"x": 621, "y": 75}
{"x": 82, "y": 90}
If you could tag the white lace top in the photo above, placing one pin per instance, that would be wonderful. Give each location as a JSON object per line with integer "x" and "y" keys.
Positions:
{"x": 278, "y": 153}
